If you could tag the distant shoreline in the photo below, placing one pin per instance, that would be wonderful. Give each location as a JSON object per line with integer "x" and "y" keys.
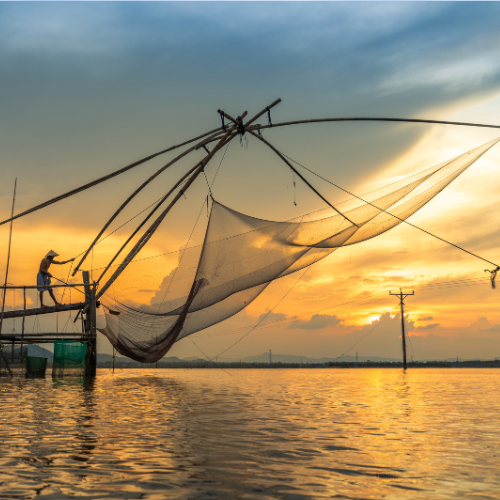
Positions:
{"x": 120, "y": 364}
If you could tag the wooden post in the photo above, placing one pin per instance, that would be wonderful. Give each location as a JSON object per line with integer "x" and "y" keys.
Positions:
{"x": 8, "y": 260}
{"x": 93, "y": 330}
{"x": 24, "y": 316}
{"x": 90, "y": 326}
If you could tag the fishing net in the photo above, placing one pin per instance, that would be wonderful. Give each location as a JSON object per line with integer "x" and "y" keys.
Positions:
{"x": 163, "y": 300}
{"x": 35, "y": 366}
{"x": 69, "y": 359}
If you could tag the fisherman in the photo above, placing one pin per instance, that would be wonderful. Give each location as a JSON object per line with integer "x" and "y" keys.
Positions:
{"x": 43, "y": 277}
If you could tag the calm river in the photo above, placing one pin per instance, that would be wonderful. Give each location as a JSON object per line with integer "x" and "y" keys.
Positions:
{"x": 253, "y": 434}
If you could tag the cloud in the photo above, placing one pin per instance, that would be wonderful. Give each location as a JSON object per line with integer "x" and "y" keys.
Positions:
{"x": 317, "y": 322}
{"x": 427, "y": 327}
{"x": 270, "y": 316}
{"x": 428, "y": 318}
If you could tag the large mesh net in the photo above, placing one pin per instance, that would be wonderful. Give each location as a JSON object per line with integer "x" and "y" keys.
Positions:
{"x": 163, "y": 301}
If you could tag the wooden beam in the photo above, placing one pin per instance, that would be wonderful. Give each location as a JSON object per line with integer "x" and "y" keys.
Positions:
{"x": 34, "y": 336}
{"x": 44, "y": 310}
{"x": 49, "y": 340}
{"x": 405, "y": 120}
{"x": 105, "y": 178}
{"x": 150, "y": 231}
{"x": 302, "y": 177}
{"x": 135, "y": 193}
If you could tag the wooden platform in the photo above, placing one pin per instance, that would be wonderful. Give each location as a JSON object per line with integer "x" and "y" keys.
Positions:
{"x": 44, "y": 310}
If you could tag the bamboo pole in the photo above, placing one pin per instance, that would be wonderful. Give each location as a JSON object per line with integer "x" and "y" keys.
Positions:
{"x": 8, "y": 260}
{"x": 134, "y": 194}
{"x": 106, "y": 177}
{"x": 145, "y": 220}
{"x": 208, "y": 141}
{"x": 228, "y": 136}
{"x": 301, "y": 176}
{"x": 150, "y": 231}
{"x": 24, "y": 317}
{"x": 258, "y": 115}
{"x": 154, "y": 210}
{"x": 404, "y": 120}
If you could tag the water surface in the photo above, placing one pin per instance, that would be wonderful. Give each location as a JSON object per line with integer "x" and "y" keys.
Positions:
{"x": 254, "y": 434}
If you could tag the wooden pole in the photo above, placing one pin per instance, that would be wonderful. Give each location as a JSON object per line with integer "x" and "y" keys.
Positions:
{"x": 258, "y": 115}
{"x": 302, "y": 177}
{"x": 8, "y": 260}
{"x": 158, "y": 205}
{"x": 93, "y": 330}
{"x": 404, "y": 120}
{"x": 24, "y": 317}
{"x": 401, "y": 297}
{"x": 47, "y": 310}
{"x": 134, "y": 194}
{"x": 150, "y": 231}
{"x": 105, "y": 178}
{"x": 90, "y": 329}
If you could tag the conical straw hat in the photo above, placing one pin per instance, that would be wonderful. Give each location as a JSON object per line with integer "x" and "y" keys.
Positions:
{"x": 52, "y": 254}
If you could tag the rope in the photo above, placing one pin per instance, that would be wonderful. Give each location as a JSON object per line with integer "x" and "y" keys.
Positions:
{"x": 280, "y": 323}
{"x": 222, "y": 159}
{"x": 266, "y": 315}
{"x": 269, "y": 122}
{"x": 208, "y": 185}
{"x": 208, "y": 359}
{"x": 392, "y": 215}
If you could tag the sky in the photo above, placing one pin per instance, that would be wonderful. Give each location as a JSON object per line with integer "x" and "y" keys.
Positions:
{"x": 90, "y": 87}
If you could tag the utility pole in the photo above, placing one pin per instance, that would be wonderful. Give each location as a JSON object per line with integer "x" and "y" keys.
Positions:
{"x": 401, "y": 297}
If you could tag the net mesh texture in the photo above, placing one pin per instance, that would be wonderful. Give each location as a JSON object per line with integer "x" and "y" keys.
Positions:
{"x": 69, "y": 359}
{"x": 36, "y": 366}
{"x": 163, "y": 300}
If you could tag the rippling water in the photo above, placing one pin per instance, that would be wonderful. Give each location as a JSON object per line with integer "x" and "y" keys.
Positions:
{"x": 254, "y": 434}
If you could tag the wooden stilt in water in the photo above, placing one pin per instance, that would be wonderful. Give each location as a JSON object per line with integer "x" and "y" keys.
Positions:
{"x": 8, "y": 260}
{"x": 90, "y": 327}
{"x": 24, "y": 317}
{"x": 5, "y": 284}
